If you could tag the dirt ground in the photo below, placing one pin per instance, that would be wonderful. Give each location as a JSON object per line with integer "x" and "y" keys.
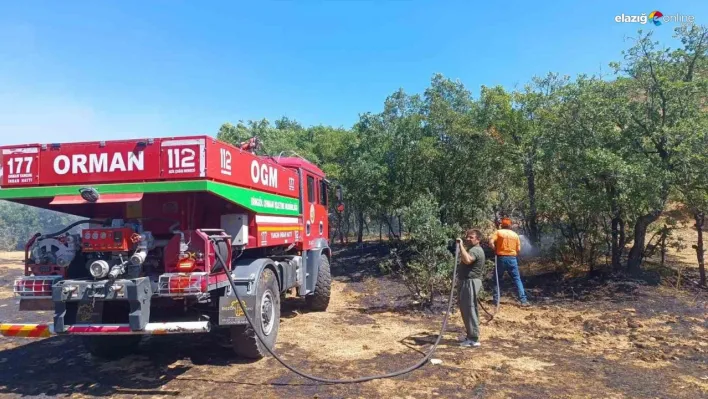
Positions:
{"x": 584, "y": 338}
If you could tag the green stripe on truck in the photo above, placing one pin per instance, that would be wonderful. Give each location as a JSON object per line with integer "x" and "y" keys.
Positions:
{"x": 256, "y": 201}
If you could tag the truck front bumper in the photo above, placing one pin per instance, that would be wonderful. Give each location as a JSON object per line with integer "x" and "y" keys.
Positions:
{"x": 82, "y": 302}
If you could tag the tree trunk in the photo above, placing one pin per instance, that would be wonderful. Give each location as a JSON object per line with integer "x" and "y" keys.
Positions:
{"x": 534, "y": 235}
{"x": 581, "y": 247}
{"x": 634, "y": 260}
{"x": 339, "y": 231}
{"x": 700, "y": 221}
{"x": 391, "y": 233}
{"x": 346, "y": 225}
{"x": 608, "y": 243}
{"x": 616, "y": 254}
{"x": 622, "y": 238}
{"x": 617, "y": 229}
{"x": 591, "y": 257}
{"x": 662, "y": 247}
{"x": 360, "y": 221}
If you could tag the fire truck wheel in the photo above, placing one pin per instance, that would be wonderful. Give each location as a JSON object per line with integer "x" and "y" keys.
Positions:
{"x": 111, "y": 347}
{"x": 319, "y": 300}
{"x": 266, "y": 319}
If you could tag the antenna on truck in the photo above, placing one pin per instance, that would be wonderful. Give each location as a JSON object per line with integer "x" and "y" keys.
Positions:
{"x": 291, "y": 152}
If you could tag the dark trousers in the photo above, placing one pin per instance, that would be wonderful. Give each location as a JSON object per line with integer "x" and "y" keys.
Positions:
{"x": 469, "y": 289}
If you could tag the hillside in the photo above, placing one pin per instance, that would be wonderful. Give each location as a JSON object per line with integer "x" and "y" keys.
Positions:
{"x": 19, "y": 222}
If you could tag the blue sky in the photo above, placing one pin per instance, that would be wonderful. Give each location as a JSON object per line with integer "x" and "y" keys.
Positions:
{"x": 80, "y": 70}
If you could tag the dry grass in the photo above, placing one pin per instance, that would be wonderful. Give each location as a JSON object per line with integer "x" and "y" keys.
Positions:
{"x": 649, "y": 344}
{"x": 358, "y": 336}
{"x": 686, "y": 231}
{"x": 12, "y": 260}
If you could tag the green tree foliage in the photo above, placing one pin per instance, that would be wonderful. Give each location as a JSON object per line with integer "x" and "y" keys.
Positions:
{"x": 520, "y": 123}
{"x": 587, "y": 165}
{"x": 423, "y": 261}
{"x": 661, "y": 95}
{"x": 460, "y": 153}
{"x": 692, "y": 185}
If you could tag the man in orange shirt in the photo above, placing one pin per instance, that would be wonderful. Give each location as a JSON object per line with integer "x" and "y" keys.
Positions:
{"x": 507, "y": 246}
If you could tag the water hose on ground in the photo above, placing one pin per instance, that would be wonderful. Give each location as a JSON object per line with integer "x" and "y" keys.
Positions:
{"x": 353, "y": 380}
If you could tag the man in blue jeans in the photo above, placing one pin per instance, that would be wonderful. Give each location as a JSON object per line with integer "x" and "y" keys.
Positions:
{"x": 507, "y": 246}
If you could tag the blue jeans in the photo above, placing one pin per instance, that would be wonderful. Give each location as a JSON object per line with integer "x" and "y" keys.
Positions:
{"x": 511, "y": 266}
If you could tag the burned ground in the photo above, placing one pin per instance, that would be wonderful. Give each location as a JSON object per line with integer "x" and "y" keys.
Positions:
{"x": 583, "y": 337}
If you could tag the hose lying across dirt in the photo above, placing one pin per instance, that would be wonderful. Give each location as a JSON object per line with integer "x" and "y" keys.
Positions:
{"x": 361, "y": 379}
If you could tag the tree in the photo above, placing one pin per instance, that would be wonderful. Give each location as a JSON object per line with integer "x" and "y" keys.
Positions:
{"x": 589, "y": 164}
{"x": 456, "y": 152}
{"x": 19, "y": 222}
{"x": 600, "y": 176}
{"x": 520, "y": 123}
{"x": 663, "y": 97}
{"x": 692, "y": 181}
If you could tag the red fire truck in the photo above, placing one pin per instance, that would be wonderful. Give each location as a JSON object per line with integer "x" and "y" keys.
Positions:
{"x": 157, "y": 217}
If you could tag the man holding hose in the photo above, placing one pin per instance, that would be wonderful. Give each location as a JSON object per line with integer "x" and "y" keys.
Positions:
{"x": 470, "y": 275}
{"x": 507, "y": 246}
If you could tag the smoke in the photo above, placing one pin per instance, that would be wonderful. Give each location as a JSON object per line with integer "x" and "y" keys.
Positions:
{"x": 526, "y": 248}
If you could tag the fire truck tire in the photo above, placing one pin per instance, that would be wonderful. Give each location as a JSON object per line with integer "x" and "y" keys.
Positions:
{"x": 266, "y": 318}
{"x": 111, "y": 347}
{"x": 319, "y": 300}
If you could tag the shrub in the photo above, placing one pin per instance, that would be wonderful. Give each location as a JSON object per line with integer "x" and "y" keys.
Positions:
{"x": 423, "y": 261}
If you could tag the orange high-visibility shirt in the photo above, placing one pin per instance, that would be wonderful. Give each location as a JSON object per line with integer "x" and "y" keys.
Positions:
{"x": 506, "y": 243}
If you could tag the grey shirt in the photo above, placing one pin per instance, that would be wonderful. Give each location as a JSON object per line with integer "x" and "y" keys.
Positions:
{"x": 476, "y": 269}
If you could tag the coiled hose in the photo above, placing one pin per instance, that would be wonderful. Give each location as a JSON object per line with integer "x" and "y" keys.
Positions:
{"x": 71, "y": 226}
{"x": 354, "y": 380}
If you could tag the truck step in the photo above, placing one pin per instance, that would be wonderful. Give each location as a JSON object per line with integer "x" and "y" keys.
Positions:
{"x": 216, "y": 233}
{"x": 45, "y": 330}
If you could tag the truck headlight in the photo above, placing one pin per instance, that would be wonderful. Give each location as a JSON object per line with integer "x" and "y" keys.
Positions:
{"x": 99, "y": 269}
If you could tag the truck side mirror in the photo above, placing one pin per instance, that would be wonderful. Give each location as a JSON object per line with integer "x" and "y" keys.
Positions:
{"x": 338, "y": 194}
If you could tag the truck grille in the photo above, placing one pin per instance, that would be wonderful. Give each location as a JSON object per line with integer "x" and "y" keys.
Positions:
{"x": 182, "y": 284}
{"x": 35, "y": 287}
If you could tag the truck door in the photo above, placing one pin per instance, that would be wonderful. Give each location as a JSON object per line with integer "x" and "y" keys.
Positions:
{"x": 321, "y": 210}
{"x": 315, "y": 209}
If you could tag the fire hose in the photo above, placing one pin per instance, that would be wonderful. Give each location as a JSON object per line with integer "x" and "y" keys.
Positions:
{"x": 496, "y": 305}
{"x": 361, "y": 379}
